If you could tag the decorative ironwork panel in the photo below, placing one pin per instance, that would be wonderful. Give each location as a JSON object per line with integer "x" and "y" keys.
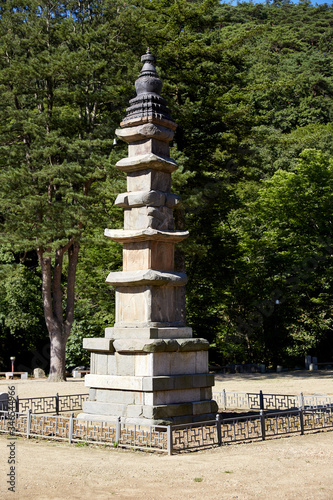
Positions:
{"x": 254, "y": 401}
{"x": 49, "y": 426}
{"x": 190, "y": 436}
{"x": 318, "y": 419}
{"x": 220, "y": 399}
{"x": 45, "y": 404}
{"x": 237, "y": 400}
{"x": 280, "y": 401}
{"x": 318, "y": 401}
{"x": 19, "y": 424}
{"x": 136, "y": 436}
{"x": 240, "y": 429}
{"x": 48, "y": 404}
{"x": 72, "y": 402}
{"x": 93, "y": 432}
{"x": 278, "y": 424}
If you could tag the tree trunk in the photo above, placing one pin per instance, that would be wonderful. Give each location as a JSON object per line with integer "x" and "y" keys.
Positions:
{"x": 58, "y": 324}
{"x": 57, "y": 357}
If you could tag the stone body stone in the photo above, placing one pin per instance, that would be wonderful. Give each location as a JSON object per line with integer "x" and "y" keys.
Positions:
{"x": 148, "y": 368}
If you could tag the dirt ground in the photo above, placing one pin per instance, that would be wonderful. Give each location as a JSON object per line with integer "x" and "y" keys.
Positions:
{"x": 287, "y": 468}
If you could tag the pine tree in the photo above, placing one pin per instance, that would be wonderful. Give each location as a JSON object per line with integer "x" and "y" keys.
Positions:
{"x": 62, "y": 83}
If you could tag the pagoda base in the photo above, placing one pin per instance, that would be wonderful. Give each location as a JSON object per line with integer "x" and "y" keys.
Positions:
{"x": 149, "y": 386}
{"x": 187, "y": 419}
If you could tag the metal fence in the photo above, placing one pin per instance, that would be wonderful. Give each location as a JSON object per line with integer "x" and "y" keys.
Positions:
{"x": 72, "y": 430}
{"x": 51, "y": 404}
{"x": 225, "y": 400}
{"x": 260, "y": 401}
{"x": 171, "y": 438}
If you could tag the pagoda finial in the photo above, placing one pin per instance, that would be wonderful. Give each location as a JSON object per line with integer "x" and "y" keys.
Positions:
{"x": 148, "y": 88}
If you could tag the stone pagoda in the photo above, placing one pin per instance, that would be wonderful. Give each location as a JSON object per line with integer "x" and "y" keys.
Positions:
{"x": 148, "y": 368}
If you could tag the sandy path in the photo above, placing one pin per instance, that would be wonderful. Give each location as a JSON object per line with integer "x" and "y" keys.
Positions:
{"x": 288, "y": 468}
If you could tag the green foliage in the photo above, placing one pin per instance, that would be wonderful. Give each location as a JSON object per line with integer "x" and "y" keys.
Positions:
{"x": 251, "y": 89}
{"x": 22, "y": 326}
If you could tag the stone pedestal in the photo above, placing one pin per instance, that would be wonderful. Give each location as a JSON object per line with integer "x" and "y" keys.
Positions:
{"x": 148, "y": 368}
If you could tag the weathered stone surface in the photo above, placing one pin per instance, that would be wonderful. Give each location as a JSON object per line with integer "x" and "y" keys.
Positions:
{"x": 152, "y": 198}
{"x": 201, "y": 362}
{"x": 134, "y": 122}
{"x": 39, "y": 373}
{"x": 145, "y": 345}
{"x": 145, "y": 131}
{"x": 193, "y": 344}
{"x": 203, "y": 380}
{"x": 95, "y": 407}
{"x": 146, "y": 277}
{"x": 145, "y": 161}
{"x": 149, "y": 146}
{"x": 154, "y": 217}
{"x": 125, "y": 383}
{"x": 149, "y": 306}
{"x": 117, "y": 397}
{"x": 101, "y": 367}
{"x": 146, "y": 180}
{"x": 148, "y": 255}
{"x": 141, "y": 198}
{"x": 127, "y": 236}
{"x": 148, "y": 333}
{"x": 98, "y": 344}
{"x": 160, "y": 345}
{"x": 173, "y": 397}
{"x": 124, "y": 364}
{"x": 172, "y": 410}
{"x": 92, "y": 394}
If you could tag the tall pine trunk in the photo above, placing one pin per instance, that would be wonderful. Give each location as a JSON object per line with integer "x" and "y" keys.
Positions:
{"x": 58, "y": 321}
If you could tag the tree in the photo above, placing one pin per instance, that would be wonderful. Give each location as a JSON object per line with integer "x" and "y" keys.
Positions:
{"x": 62, "y": 85}
{"x": 286, "y": 236}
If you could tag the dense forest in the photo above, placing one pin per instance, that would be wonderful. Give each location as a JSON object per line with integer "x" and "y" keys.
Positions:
{"x": 251, "y": 89}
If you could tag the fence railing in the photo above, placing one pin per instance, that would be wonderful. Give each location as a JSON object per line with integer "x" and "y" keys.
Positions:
{"x": 171, "y": 438}
{"x": 51, "y": 404}
{"x": 225, "y": 400}
{"x": 260, "y": 401}
{"x": 72, "y": 429}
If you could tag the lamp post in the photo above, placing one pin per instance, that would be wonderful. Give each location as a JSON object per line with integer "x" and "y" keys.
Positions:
{"x": 276, "y": 343}
{"x": 12, "y": 358}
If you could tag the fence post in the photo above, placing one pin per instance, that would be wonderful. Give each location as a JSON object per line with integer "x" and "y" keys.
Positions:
{"x": 17, "y": 404}
{"x": 224, "y": 400}
{"x": 301, "y": 401}
{"x": 118, "y": 430}
{"x": 169, "y": 439}
{"x": 262, "y": 424}
{"x": 57, "y": 403}
{"x": 261, "y": 399}
{"x": 301, "y": 420}
{"x": 71, "y": 428}
{"x": 28, "y": 422}
{"x": 218, "y": 429}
